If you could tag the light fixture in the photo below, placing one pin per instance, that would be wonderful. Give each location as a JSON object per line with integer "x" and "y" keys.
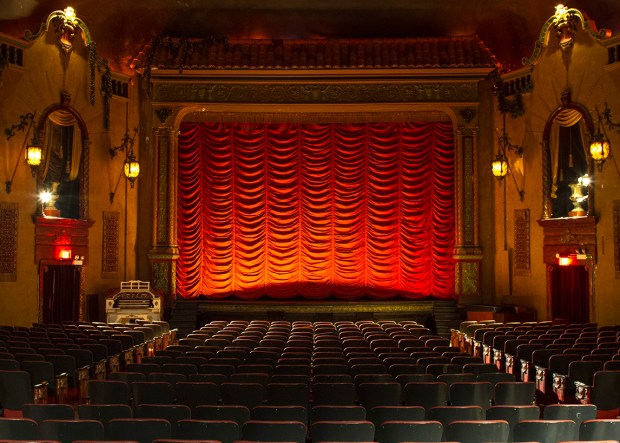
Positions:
{"x": 131, "y": 169}
{"x": 34, "y": 157}
{"x": 567, "y": 259}
{"x": 600, "y": 148}
{"x": 33, "y": 153}
{"x": 131, "y": 166}
{"x": 500, "y": 167}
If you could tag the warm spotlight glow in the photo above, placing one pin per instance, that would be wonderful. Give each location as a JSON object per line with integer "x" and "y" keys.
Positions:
{"x": 499, "y": 167}
{"x": 599, "y": 149}
{"x": 567, "y": 260}
{"x": 70, "y": 13}
{"x": 34, "y": 155}
{"x": 560, "y": 11}
{"x": 131, "y": 169}
{"x": 45, "y": 197}
{"x": 64, "y": 254}
{"x": 585, "y": 180}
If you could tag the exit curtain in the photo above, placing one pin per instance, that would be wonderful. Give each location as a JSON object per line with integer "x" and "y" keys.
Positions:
{"x": 311, "y": 211}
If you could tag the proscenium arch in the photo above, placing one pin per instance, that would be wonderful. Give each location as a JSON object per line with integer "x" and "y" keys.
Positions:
{"x": 466, "y": 194}
{"x": 547, "y": 172}
{"x": 84, "y": 161}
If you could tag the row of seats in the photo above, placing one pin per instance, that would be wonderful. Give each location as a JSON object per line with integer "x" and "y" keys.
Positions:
{"x": 53, "y": 363}
{"x": 568, "y": 363}
{"x": 265, "y": 345}
{"x": 148, "y": 429}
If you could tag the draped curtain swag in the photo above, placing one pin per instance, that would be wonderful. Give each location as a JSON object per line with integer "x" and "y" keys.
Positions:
{"x": 290, "y": 210}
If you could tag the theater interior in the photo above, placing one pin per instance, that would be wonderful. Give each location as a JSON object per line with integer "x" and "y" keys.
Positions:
{"x": 308, "y": 196}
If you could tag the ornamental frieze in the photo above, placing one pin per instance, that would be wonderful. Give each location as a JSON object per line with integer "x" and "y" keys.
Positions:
{"x": 315, "y": 93}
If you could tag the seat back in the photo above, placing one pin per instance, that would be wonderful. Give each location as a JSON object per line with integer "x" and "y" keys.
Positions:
{"x": 337, "y": 413}
{"x": 236, "y": 413}
{"x": 425, "y": 394}
{"x": 40, "y": 412}
{"x": 380, "y": 414}
{"x": 246, "y": 394}
{"x": 379, "y": 394}
{"x": 576, "y": 413}
{"x": 448, "y": 414}
{"x": 546, "y": 431}
{"x": 224, "y": 431}
{"x": 514, "y": 393}
{"x": 193, "y": 394}
{"x": 600, "y": 429}
{"x": 288, "y": 394}
{"x": 280, "y": 413}
{"x": 477, "y": 431}
{"x": 68, "y": 431}
{"x": 278, "y": 431}
{"x": 170, "y": 412}
{"x": 342, "y": 431}
{"x": 18, "y": 428}
{"x": 605, "y": 393}
{"x": 513, "y": 415}
{"x": 104, "y": 412}
{"x": 471, "y": 393}
{"x": 334, "y": 394}
{"x": 395, "y": 431}
{"x": 141, "y": 430}
{"x": 108, "y": 392}
{"x": 152, "y": 392}
{"x": 15, "y": 392}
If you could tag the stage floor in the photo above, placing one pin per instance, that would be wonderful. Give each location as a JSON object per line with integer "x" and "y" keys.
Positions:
{"x": 436, "y": 314}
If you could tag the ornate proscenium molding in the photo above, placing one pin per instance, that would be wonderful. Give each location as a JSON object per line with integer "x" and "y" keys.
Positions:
{"x": 163, "y": 114}
{"x": 564, "y": 23}
{"x": 316, "y": 93}
{"x": 468, "y": 114}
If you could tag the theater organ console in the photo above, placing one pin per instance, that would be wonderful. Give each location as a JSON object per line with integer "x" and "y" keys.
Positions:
{"x": 135, "y": 300}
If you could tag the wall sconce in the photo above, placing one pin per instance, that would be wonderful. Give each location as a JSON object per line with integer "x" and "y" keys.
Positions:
{"x": 600, "y": 148}
{"x": 33, "y": 153}
{"x": 500, "y": 167}
{"x": 131, "y": 166}
{"x": 34, "y": 157}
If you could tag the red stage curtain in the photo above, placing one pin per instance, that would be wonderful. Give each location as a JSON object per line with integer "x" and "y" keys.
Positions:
{"x": 285, "y": 210}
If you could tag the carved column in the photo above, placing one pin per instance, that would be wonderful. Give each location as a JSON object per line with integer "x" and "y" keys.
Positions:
{"x": 164, "y": 252}
{"x": 467, "y": 252}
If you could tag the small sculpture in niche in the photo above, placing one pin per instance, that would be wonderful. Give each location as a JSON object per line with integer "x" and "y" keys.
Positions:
{"x": 66, "y": 27}
{"x": 565, "y": 27}
{"x": 578, "y": 197}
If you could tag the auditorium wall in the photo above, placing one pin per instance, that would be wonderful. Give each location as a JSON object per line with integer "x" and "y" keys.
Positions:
{"x": 32, "y": 82}
{"x": 47, "y": 71}
{"x": 586, "y": 71}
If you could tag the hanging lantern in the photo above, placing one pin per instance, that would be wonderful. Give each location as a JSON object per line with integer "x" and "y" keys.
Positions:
{"x": 499, "y": 167}
{"x": 599, "y": 150}
{"x": 131, "y": 169}
{"x": 34, "y": 156}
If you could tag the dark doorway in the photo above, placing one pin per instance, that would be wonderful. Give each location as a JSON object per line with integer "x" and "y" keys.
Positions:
{"x": 570, "y": 293}
{"x": 61, "y": 293}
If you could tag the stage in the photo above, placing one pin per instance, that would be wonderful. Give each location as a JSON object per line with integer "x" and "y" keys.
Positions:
{"x": 437, "y": 315}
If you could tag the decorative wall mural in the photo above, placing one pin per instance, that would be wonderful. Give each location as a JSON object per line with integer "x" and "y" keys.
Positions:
{"x": 522, "y": 241}
{"x": 8, "y": 241}
{"x": 109, "y": 262}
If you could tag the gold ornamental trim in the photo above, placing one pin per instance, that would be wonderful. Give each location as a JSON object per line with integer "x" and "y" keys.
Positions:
{"x": 317, "y": 307}
{"x": 419, "y": 92}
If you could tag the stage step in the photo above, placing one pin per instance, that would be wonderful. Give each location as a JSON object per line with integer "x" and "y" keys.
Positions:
{"x": 447, "y": 316}
{"x": 184, "y": 317}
